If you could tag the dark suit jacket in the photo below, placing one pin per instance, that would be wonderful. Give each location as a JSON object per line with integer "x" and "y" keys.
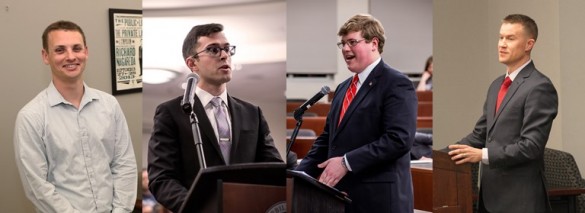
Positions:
{"x": 376, "y": 134}
{"x": 172, "y": 157}
{"x": 515, "y": 138}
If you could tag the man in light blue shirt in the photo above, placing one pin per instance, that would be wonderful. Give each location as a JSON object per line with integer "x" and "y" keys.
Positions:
{"x": 73, "y": 148}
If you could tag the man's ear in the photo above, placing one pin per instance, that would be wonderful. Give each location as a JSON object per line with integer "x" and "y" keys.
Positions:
{"x": 191, "y": 63}
{"x": 375, "y": 42}
{"x": 530, "y": 44}
{"x": 45, "y": 56}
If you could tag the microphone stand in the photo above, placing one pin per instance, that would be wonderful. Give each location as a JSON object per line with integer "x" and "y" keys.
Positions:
{"x": 298, "y": 115}
{"x": 197, "y": 140}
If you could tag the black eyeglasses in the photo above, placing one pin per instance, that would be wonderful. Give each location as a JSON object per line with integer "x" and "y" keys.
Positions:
{"x": 350, "y": 42}
{"x": 214, "y": 50}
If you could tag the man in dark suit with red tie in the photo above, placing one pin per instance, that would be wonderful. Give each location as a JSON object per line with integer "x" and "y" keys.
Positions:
{"x": 364, "y": 148}
{"x": 232, "y": 130}
{"x": 510, "y": 137}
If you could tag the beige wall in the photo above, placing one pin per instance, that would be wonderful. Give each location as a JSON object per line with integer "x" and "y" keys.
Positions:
{"x": 24, "y": 75}
{"x": 465, "y": 49}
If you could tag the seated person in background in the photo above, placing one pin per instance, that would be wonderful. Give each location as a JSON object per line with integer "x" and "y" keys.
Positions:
{"x": 422, "y": 146}
{"x": 426, "y": 80}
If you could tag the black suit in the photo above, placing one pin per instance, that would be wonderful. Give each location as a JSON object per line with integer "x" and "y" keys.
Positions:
{"x": 515, "y": 137}
{"x": 376, "y": 134}
{"x": 172, "y": 157}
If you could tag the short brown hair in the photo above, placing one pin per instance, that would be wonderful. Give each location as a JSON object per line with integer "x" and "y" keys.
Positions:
{"x": 528, "y": 23}
{"x": 61, "y": 25}
{"x": 368, "y": 25}
{"x": 190, "y": 42}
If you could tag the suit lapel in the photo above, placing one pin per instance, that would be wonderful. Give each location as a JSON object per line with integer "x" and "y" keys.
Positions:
{"x": 362, "y": 93}
{"x": 518, "y": 81}
{"x": 337, "y": 103}
{"x": 205, "y": 127}
{"x": 491, "y": 101}
{"x": 235, "y": 110}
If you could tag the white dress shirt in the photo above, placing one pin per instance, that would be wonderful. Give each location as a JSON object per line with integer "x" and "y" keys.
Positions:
{"x": 75, "y": 160}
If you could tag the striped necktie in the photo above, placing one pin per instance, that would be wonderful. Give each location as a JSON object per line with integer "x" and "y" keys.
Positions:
{"x": 349, "y": 95}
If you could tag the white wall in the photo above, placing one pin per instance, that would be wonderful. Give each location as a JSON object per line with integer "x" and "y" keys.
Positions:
{"x": 465, "y": 49}
{"x": 24, "y": 75}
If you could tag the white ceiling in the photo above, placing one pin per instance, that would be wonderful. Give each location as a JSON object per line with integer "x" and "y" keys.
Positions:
{"x": 256, "y": 27}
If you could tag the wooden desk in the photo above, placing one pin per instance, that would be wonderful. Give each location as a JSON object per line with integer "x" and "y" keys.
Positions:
{"x": 424, "y": 122}
{"x": 315, "y": 123}
{"x": 425, "y": 109}
{"x": 424, "y": 96}
{"x": 422, "y": 184}
{"x": 319, "y": 108}
{"x": 302, "y": 145}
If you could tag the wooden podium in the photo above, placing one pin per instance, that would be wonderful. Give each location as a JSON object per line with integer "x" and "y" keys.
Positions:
{"x": 451, "y": 185}
{"x": 306, "y": 194}
{"x": 246, "y": 188}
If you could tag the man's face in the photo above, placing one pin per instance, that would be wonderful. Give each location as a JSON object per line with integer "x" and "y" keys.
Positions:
{"x": 514, "y": 45}
{"x": 213, "y": 69}
{"x": 66, "y": 55}
{"x": 361, "y": 55}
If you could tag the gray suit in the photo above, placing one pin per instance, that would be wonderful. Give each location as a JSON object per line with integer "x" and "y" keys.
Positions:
{"x": 515, "y": 138}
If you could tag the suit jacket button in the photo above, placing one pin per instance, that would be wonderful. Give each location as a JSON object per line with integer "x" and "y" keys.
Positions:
{"x": 333, "y": 147}
{"x": 489, "y": 139}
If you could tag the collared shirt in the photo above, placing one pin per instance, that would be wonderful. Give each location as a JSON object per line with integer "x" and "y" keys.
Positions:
{"x": 362, "y": 76}
{"x": 75, "y": 160}
{"x": 512, "y": 75}
{"x": 205, "y": 98}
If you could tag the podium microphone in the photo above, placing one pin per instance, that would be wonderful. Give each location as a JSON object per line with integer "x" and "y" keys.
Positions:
{"x": 192, "y": 80}
{"x": 298, "y": 114}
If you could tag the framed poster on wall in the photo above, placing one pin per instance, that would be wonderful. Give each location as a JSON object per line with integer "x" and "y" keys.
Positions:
{"x": 126, "y": 50}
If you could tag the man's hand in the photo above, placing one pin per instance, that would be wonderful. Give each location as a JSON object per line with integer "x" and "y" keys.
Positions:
{"x": 464, "y": 154}
{"x": 333, "y": 172}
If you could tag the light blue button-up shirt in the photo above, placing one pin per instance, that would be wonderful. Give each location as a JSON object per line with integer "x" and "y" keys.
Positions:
{"x": 75, "y": 160}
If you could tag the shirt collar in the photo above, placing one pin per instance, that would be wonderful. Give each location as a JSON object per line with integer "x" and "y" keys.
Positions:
{"x": 515, "y": 72}
{"x": 364, "y": 74}
{"x": 55, "y": 98}
{"x": 205, "y": 97}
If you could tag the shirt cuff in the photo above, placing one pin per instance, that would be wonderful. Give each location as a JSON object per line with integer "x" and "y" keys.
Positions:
{"x": 484, "y": 156}
{"x": 346, "y": 162}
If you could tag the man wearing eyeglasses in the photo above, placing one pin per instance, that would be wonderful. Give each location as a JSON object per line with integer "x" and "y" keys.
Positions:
{"x": 232, "y": 131}
{"x": 364, "y": 148}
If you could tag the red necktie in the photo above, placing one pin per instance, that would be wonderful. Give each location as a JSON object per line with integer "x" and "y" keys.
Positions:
{"x": 503, "y": 90}
{"x": 348, "y": 96}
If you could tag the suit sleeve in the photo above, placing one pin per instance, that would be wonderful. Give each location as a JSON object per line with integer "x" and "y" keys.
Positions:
{"x": 399, "y": 113}
{"x": 540, "y": 109}
{"x": 266, "y": 151}
{"x": 317, "y": 154}
{"x": 164, "y": 162}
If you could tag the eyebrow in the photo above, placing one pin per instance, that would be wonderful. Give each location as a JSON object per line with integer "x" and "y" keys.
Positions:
{"x": 217, "y": 44}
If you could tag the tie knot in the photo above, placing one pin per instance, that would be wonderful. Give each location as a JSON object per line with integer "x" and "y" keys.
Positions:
{"x": 507, "y": 81}
{"x": 355, "y": 79}
{"x": 216, "y": 101}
